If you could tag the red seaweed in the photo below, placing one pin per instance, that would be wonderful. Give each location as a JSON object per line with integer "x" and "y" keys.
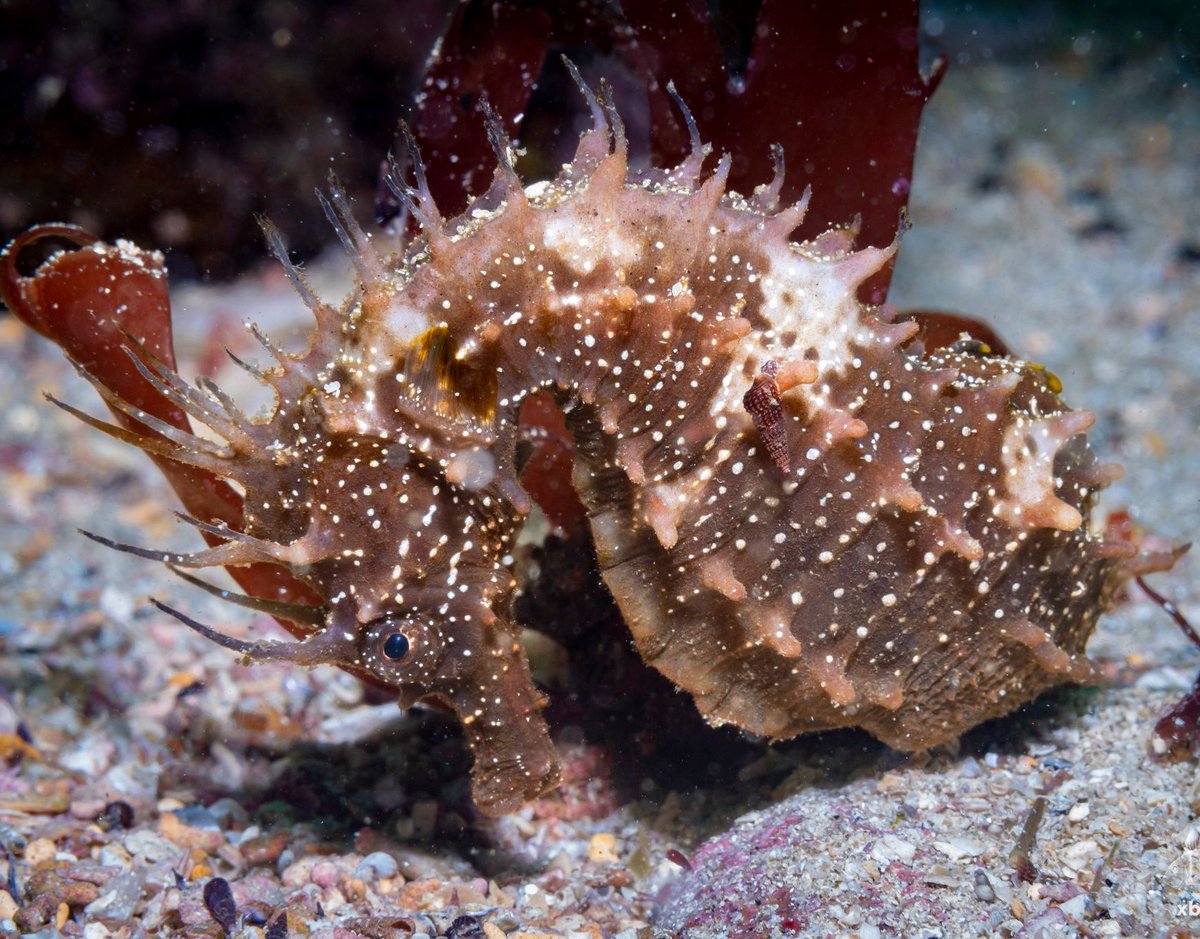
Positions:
{"x": 91, "y": 302}
{"x": 838, "y": 85}
{"x": 1180, "y": 723}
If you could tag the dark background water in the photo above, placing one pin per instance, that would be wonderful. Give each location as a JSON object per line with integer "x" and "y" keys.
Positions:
{"x": 175, "y": 124}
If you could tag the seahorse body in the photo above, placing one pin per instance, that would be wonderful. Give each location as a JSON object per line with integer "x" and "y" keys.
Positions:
{"x": 876, "y": 536}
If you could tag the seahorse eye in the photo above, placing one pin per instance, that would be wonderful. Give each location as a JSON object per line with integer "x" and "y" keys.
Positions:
{"x": 396, "y": 646}
{"x": 403, "y": 646}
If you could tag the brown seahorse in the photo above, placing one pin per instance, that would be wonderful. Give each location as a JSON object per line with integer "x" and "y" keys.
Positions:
{"x": 806, "y": 520}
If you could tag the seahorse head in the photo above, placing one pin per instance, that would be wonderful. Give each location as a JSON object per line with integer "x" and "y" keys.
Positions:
{"x": 410, "y": 565}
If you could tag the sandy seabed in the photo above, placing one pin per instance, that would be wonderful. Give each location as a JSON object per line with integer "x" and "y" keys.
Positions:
{"x": 1053, "y": 199}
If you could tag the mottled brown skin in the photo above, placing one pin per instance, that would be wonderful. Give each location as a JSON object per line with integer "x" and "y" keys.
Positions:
{"x": 908, "y": 551}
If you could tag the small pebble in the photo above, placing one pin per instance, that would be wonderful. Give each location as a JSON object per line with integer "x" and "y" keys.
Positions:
{"x": 40, "y": 851}
{"x": 194, "y": 828}
{"x": 602, "y": 848}
{"x": 845, "y": 917}
{"x": 332, "y": 900}
{"x": 1078, "y": 853}
{"x": 893, "y": 848}
{"x": 298, "y": 873}
{"x": 941, "y": 876}
{"x": 377, "y": 865}
{"x": 469, "y": 893}
{"x": 114, "y": 855}
{"x": 957, "y": 847}
{"x": 492, "y": 931}
{"x": 264, "y": 849}
{"x": 325, "y": 874}
{"x": 8, "y": 906}
{"x": 90, "y": 758}
{"x": 983, "y": 887}
{"x": 120, "y": 899}
{"x": 86, "y": 809}
{"x": 1079, "y": 811}
{"x": 1076, "y": 907}
{"x": 355, "y": 888}
{"x": 228, "y": 813}
{"x": 533, "y": 897}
